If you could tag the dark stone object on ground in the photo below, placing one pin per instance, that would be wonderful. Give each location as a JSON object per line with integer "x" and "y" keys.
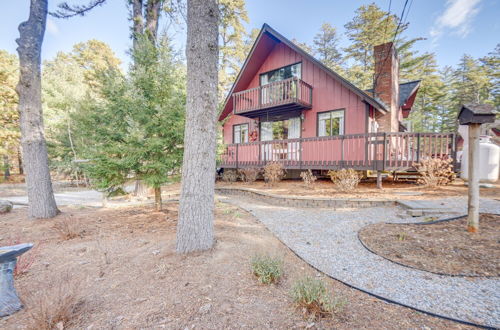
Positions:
{"x": 5, "y": 206}
{"x": 9, "y": 301}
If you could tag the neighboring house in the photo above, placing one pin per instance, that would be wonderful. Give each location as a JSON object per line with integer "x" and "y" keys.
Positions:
{"x": 287, "y": 106}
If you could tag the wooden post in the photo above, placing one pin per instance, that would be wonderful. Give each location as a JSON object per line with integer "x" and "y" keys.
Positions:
{"x": 379, "y": 179}
{"x": 473, "y": 174}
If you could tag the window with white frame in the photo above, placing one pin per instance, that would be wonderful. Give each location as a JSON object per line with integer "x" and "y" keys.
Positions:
{"x": 331, "y": 123}
{"x": 240, "y": 133}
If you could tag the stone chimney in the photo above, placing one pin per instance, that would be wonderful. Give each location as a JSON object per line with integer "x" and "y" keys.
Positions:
{"x": 386, "y": 85}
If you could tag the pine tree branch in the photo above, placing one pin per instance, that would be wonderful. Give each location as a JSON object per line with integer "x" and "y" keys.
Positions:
{"x": 66, "y": 11}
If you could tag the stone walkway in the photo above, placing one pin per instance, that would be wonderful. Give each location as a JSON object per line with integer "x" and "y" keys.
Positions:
{"x": 328, "y": 241}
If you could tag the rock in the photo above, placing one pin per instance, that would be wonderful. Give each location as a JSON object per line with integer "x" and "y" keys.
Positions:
{"x": 205, "y": 309}
{"x": 5, "y": 206}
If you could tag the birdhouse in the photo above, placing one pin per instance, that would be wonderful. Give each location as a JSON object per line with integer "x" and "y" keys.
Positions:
{"x": 476, "y": 114}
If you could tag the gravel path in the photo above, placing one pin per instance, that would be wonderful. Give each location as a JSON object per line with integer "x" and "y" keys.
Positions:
{"x": 328, "y": 241}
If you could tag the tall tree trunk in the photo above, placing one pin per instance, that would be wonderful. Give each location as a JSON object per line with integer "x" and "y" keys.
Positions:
{"x": 20, "y": 161}
{"x": 41, "y": 202}
{"x": 196, "y": 209}
{"x": 6, "y": 165}
{"x": 153, "y": 8}
{"x": 158, "y": 199}
{"x": 137, "y": 20}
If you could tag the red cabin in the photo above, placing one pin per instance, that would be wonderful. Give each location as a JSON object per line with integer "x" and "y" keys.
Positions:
{"x": 288, "y": 107}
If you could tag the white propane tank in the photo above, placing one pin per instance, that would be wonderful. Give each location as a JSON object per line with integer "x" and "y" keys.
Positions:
{"x": 489, "y": 160}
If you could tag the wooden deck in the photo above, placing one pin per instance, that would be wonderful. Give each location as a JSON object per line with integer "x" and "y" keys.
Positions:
{"x": 281, "y": 96}
{"x": 373, "y": 151}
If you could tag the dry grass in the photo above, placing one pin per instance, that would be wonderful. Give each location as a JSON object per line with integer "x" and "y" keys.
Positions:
{"x": 267, "y": 269}
{"x": 68, "y": 229}
{"x": 57, "y": 306}
{"x": 435, "y": 172}
{"x": 249, "y": 175}
{"x": 273, "y": 173}
{"x": 345, "y": 179}
{"x": 308, "y": 178}
{"x": 25, "y": 260}
{"x": 312, "y": 295}
{"x": 229, "y": 176}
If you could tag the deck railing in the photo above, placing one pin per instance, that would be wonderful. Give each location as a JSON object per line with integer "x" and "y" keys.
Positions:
{"x": 373, "y": 151}
{"x": 288, "y": 91}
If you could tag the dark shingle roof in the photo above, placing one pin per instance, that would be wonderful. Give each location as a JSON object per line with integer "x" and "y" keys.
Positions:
{"x": 405, "y": 90}
{"x": 480, "y": 109}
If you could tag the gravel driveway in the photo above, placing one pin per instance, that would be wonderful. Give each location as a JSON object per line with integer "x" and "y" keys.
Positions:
{"x": 328, "y": 241}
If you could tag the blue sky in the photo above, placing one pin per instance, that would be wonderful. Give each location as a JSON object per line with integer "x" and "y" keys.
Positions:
{"x": 452, "y": 27}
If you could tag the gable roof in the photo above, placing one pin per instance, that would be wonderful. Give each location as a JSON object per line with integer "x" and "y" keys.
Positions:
{"x": 406, "y": 90}
{"x": 262, "y": 47}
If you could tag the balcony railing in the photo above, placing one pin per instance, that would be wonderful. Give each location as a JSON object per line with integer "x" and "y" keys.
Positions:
{"x": 372, "y": 151}
{"x": 289, "y": 92}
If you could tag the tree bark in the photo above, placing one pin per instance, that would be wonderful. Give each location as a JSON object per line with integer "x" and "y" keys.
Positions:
{"x": 158, "y": 199}
{"x": 196, "y": 209}
{"x": 41, "y": 201}
{"x": 6, "y": 165}
{"x": 153, "y": 8}
{"x": 137, "y": 20}
{"x": 20, "y": 161}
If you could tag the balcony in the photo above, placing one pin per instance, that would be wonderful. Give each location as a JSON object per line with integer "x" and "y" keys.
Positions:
{"x": 286, "y": 96}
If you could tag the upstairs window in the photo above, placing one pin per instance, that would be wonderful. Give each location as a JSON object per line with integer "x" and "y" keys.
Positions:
{"x": 331, "y": 123}
{"x": 240, "y": 133}
{"x": 286, "y": 72}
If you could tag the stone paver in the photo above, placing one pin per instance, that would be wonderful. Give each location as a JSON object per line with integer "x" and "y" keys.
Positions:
{"x": 327, "y": 239}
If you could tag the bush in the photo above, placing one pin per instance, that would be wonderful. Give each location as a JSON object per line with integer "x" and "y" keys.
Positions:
{"x": 435, "y": 172}
{"x": 229, "y": 176}
{"x": 68, "y": 229}
{"x": 312, "y": 295}
{"x": 56, "y": 305}
{"x": 249, "y": 175}
{"x": 345, "y": 179}
{"x": 267, "y": 269}
{"x": 25, "y": 260}
{"x": 308, "y": 178}
{"x": 274, "y": 172}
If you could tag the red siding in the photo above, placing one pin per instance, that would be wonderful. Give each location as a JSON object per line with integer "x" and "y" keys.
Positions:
{"x": 328, "y": 94}
{"x": 235, "y": 120}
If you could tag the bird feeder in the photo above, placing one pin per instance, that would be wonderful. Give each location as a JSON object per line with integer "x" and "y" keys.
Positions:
{"x": 473, "y": 115}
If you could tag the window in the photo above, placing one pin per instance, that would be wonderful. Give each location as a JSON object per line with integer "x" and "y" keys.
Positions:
{"x": 280, "y": 130}
{"x": 331, "y": 123}
{"x": 240, "y": 133}
{"x": 286, "y": 72}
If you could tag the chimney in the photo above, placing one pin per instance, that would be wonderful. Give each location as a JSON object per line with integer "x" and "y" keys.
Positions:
{"x": 386, "y": 85}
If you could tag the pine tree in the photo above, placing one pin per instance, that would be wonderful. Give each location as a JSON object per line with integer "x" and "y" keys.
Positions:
{"x": 68, "y": 80}
{"x": 471, "y": 83}
{"x": 372, "y": 26}
{"x": 491, "y": 65}
{"x": 9, "y": 116}
{"x": 326, "y": 47}
{"x": 196, "y": 209}
{"x": 137, "y": 127}
{"x": 232, "y": 39}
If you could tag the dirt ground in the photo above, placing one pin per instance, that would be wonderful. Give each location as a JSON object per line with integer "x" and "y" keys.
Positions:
{"x": 444, "y": 247}
{"x": 128, "y": 276}
{"x": 391, "y": 189}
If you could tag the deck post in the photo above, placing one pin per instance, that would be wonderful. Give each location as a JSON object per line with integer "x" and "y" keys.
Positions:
{"x": 418, "y": 147}
{"x": 454, "y": 138}
{"x": 385, "y": 151}
{"x": 237, "y": 155}
{"x": 379, "y": 179}
{"x": 473, "y": 174}
{"x": 342, "y": 152}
